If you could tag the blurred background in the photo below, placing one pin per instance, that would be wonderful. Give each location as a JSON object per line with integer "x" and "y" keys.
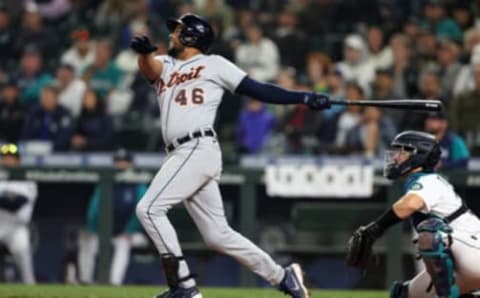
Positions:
{"x": 297, "y": 182}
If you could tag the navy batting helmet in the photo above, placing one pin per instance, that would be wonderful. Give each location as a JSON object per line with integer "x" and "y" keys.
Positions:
{"x": 196, "y": 31}
{"x": 421, "y": 149}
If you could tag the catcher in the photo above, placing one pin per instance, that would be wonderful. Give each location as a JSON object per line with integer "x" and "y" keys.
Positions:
{"x": 448, "y": 232}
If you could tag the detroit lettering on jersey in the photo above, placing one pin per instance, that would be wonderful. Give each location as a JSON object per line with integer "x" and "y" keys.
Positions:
{"x": 190, "y": 91}
{"x": 177, "y": 78}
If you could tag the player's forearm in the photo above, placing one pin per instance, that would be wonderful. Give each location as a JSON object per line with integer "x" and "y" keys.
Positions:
{"x": 149, "y": 67}
{"x": 270, "y": 93}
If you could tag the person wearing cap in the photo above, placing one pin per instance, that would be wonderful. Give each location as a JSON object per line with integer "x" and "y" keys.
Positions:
{"x": 17, "y": 199}
{"x": 12, "y": 112}
{"x": 437, "y": 21}
{"x": 81, "y": 54}
{"x": 126, "y": 229}
{"x": 455, "y": 153}
{"x": 355, "y": 66}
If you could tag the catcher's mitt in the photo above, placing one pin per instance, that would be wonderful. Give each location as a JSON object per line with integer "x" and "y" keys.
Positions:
{"x": 360, "y": 245}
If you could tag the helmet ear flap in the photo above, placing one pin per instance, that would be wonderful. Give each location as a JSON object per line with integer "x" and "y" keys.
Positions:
{"x": 433, "y": 157}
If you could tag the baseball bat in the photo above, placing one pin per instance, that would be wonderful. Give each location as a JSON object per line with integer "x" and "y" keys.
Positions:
{"x": 429, "y": 105}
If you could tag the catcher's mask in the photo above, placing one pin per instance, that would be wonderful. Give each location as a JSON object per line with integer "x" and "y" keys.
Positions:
{"x": 409, "y": 150}
{"x": 196, "y": 31}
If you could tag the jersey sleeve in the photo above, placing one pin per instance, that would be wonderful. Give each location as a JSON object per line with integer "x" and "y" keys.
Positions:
{"x": 166, "y": 64}
{"x": 425, "y": 188}
{"x": 226, "y": 74}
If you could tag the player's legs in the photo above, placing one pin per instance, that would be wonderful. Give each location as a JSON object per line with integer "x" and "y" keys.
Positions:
{"x": 466, "y": 253}
{"x": 206, "y": 209}
{"x": 181, "y": 175}
{"x": 87, "y": 252}
{"x": 120, "y": 259}
{"x": 18, "y": 244}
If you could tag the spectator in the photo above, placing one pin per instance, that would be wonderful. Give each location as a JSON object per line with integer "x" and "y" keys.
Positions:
{"x": 49, "y": 121}
{"x": 355, "y": 66}
{"x": 380, "y": 56}
{"x": 464, "y": 114}
{"x": 52, "y": 10}
{"x": 447, "y": 55}
{"x": 438, "y": 22}
{"x": 215, "y": 9}
{"x": 259, "y": 56}
{"x": 7, "y": 38}
{"x": 82, "y": 53}
{"x": 291, "y": 41}
{"x": 93, "y": 130}
{"x": 335, "y": 84}
{"x": 103, "y": 75}
{"x": 373, "y": 134}
{"x": 31, "y": 78}
{"x": 405, "y": 73}
{"x": 318, "y": 66}
{"x": 426, "y": 50}
{"x": 70, "y": 89}
{"x": 140, "y": 17}
{"x": 126, "y": 228}
{"x": 463, "y": 15}
{"x": 34, "y": 32}
{"x": 383, "y": 90}
{"x": 455, "y": 153}
{"x": 12, "y": 113}
{"x": 254, "y": 127}
{"x": 17, "y": 200}
{"x": 110, "y": 16}
{"x": 349, "y": 118}
{"x": 465, "y": 80}
{"x": 429, "y": 85}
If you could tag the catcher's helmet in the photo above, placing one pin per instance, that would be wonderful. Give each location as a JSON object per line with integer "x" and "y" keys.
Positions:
{"x": 422, "y": 149}
{"x": 196, "y": 31}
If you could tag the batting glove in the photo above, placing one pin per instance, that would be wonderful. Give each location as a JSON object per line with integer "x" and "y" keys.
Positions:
{"x": 142, "y": 45}
{"x": 318, "y": 101}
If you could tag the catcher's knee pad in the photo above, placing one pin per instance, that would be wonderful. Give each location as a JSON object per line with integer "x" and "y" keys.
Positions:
{"x": 399, "y": 289}
{"x": 436, "y": 254}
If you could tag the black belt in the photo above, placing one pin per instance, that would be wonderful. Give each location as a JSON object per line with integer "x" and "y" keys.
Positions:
{"x": 196, "y": 134}
{"x": 457, "y": 213}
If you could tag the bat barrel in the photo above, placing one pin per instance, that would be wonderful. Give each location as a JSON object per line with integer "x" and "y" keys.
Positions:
{"x": 428, "y": 105}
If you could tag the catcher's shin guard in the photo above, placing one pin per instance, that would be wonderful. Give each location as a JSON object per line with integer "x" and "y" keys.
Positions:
{"x": 170, "y": 267}
{"x": 437, "y": 256}
{"x": 399, "y": 289}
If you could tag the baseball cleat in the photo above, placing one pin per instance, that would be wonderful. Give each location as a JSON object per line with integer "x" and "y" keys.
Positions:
{"x": 292, "y": 283}
{"x": 179, "y": 292}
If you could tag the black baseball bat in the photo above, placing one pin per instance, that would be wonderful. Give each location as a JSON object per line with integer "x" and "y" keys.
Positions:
{"x": 429, "y": 105}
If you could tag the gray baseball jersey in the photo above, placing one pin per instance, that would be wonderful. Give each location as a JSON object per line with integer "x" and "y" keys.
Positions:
{"x": 189, "y": 93}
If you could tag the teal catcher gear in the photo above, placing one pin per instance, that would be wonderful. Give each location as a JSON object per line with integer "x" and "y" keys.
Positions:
{"x": 437, "y": 256}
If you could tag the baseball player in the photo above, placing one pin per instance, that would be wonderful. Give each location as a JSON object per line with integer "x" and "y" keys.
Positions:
{"x": 126, "y": 228}
{"x": 448, "y": 232}
{"x": 189, "y": 85}
{"x": 17, "y": 199}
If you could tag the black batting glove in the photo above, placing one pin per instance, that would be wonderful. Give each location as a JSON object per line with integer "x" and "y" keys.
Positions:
{"x": 317, "y": 101}
{"x": 142, "y": 45}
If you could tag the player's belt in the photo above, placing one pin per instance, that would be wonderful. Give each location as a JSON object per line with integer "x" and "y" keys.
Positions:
{"x": 196, "y": 134}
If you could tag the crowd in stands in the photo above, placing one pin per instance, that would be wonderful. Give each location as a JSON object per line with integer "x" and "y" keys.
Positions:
{"x": 68, "y": 76}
